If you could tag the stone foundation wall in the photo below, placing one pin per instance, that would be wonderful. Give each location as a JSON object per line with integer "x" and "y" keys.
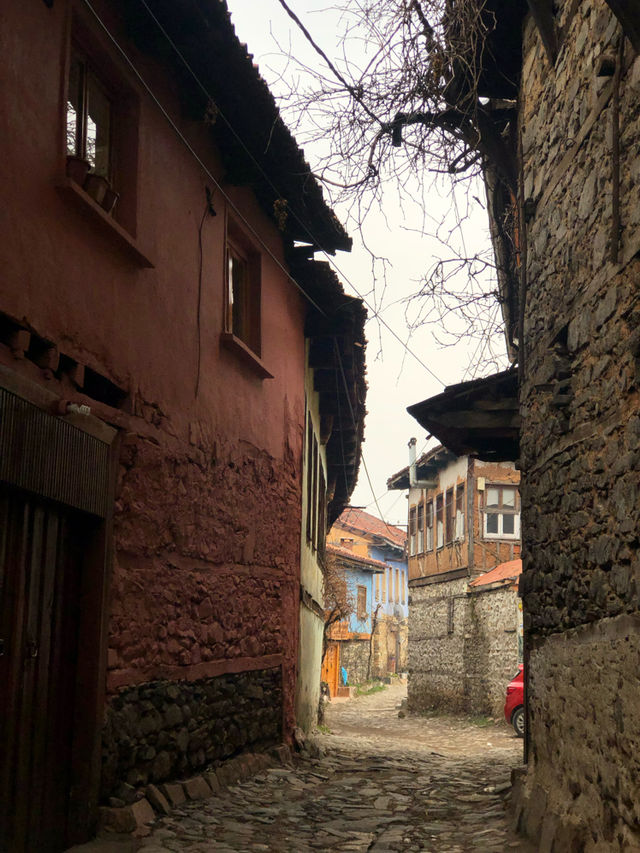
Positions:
{"x": 491, "y": 648}
{"x": 437, "y": 615}
{"x": 581, "y": 787}
{"x": 168, "y": 730}
{"x": 580, "y": 451}
{"x": 354, "y": 657}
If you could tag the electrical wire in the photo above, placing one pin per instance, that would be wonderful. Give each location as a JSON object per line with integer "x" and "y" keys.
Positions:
{"x": 374, "y": 312}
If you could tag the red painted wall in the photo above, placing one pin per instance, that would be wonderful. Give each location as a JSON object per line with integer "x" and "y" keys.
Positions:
{"x": 206, "y": 564}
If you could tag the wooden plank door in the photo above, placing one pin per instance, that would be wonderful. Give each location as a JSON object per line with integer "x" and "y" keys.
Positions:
{"x": 41, "y": 547}
{"x": 331, "y": 667}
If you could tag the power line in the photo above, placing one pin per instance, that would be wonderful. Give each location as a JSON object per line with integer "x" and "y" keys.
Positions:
{"x": 300, "y": 221}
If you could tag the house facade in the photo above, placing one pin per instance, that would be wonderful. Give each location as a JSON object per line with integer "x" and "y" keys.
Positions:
{"x": 368, "y": 536}
{"x": 463, "y": 520}
{"x": 571, "y": 409}
{"x": 169, "y": 441}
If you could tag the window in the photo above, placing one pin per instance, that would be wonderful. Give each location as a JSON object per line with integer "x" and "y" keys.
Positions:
{"x": 501, "y": 512}
{"x": 377, "y": 587}
{"x": 429, "y": 526}
{"x": 316, "y": 491}
{"x": 390, "y": 588}
{"x": 439, "y": 523}
{"x": 412, "y": 532}
{"x": 384, "y": 585}
{"x": 404, "y": 587}
{"x": 362, "y": 603}
{"x": 460, "y": 512}
{"x": 89, "y": 117}
{"x": 397, "y": 598}
{"x": 420, "y": 523}
{"x": 448, "y": 513}
{"x": 243, "y": 291}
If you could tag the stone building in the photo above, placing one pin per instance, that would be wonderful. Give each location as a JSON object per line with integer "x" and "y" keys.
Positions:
{"x": 367, "y": 535}
{"x": 463, "y": 519}
{"x": 573, "y": 322}
{"x": 173, "y": 365}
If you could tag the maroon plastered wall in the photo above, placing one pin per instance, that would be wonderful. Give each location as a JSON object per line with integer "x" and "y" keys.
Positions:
{"x": 206, "y": 563}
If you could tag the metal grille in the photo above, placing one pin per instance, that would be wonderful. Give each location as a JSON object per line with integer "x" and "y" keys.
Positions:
{"x": 50, "y": 457}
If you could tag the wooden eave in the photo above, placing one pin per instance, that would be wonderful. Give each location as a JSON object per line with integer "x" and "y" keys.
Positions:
{"x": 479, "y": 418}
{"x": 427, "y": 468}
{"x": 256, "y": 147}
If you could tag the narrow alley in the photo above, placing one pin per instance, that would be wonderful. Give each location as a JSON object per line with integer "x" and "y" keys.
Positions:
{"x": 370, "y": 782}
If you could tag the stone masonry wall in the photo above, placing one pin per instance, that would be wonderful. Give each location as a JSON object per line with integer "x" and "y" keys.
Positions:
{"x": 491, "y": 648}
{"x": 581, "y": 437}
{"x": 464, "y": 664}
{"x": 436, "y": 645}
{"x": 168, "y": 730}
{"x": 354, "y": 657}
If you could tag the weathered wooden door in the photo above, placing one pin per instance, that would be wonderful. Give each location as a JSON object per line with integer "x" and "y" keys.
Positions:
{"x": 331, "y": 667}
{"x": 40, "y": 557}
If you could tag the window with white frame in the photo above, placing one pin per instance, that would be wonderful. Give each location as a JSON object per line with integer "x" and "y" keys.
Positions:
{"x": 501, "y": 512}
{"x": 413, "y": 539}
{"x": 429, "y": 526}
{"x": 439, "y": 522}
{"x": 460, "y": 512}
{"x": 420, "y": 528}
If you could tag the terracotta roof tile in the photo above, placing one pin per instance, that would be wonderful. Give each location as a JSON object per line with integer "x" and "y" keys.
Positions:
{"x": 364, "y": 522}
{"x": 505, "y": 571}
{"x": 357, "y": 558}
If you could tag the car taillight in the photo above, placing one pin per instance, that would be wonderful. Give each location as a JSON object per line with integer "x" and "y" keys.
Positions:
{"x": 510, "y": 689}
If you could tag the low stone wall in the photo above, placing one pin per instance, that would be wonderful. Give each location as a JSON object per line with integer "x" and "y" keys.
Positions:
{"x": 354, "y": 657}
{"x": 167, "y": 730}
{"x": 583, "y": 788}
{"x": 390, "y": 638}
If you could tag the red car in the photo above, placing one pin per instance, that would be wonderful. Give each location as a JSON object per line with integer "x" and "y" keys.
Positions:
{"x": 514, "y": 703}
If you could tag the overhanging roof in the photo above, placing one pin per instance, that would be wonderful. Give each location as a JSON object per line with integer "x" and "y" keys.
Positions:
{"x": 427, "y": 468}
{"x": 477, "y": 418}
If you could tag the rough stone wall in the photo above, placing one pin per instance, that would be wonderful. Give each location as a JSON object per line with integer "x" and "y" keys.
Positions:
{"x": 491, "y": 648}
{"x": 581, "y": 438}
{"x": 204, "y": 600}
{"x": 464, "y": 665}
{"x": 388, "y": 630}
{"x": 166, "y": 729}
{"x": 354, "y": 657}
{"x": 436, "y": 646}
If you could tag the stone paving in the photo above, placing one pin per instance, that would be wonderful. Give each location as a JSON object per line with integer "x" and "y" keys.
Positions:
{"x": 374, "y": 782}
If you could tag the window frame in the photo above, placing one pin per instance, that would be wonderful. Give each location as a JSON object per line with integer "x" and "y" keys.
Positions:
{"x": 429, "y": 525}
{"x": 412, "y": 531}
{"x": 449, "y": 516}
{"x": 439, "y": 521}
{"x": 420, "y": 528}
{"x": 501, "y": 510}
{"x": 459, "y": 523}
{"x": 361, "y": 603}
{"x": 89, "y": 72}
{"x": 245, "y": 326}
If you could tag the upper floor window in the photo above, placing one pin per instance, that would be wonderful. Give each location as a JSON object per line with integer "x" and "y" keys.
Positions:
{"x": 413, "y": 538}
{"x": 420, "y": 528}
{"x": 449, "y": 515}
{"x": 361, "y": 607}
{"x": 501, "y": 512}
{"x": 243, "y": 292}
{"x": 89, "y": 117}
{"x": 460, "y": 512}
{"x": 439, "y": 522}
{"x": 429, "y": 526}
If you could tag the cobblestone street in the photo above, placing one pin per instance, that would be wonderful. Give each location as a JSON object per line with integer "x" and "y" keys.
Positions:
{"x": 375, "y": 782}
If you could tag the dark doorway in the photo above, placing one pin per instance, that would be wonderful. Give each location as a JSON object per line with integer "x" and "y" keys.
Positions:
{"x": 42, "y": 549}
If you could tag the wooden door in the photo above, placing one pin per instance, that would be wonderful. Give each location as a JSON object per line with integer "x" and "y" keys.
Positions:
{"x": 41, "y": 549}
{"x": 331, "y": 667}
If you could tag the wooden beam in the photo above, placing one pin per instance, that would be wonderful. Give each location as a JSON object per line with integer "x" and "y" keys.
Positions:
{"x": 628, "y": 14}
{"x": 542, "y": 12}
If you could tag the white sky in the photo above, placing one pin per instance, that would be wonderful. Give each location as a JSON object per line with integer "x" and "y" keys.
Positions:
{"x": 396, "y": 380}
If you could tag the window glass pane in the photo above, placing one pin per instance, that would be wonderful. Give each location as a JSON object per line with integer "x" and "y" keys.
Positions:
{"x": 74, "y": 108}
{"x": 508, "y": 524}
{"x": 509, "y": 497}
{"x": 493, "y": 497}
{"x": 492, "y": 522}
{"x": 98, "y": 127}
{"x": 238, "y": 296}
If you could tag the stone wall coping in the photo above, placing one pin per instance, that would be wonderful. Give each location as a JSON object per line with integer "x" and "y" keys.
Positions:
{"x": 611, "y": 628}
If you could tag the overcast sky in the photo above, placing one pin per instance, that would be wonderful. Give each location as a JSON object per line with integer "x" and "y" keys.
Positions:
{"x": 396, "y": 379}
